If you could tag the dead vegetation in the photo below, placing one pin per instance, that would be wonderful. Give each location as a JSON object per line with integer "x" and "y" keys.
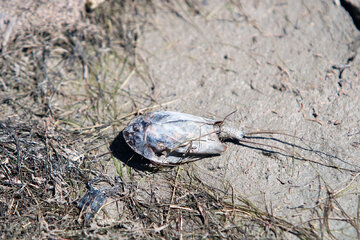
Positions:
{"x": 64, "y": 100}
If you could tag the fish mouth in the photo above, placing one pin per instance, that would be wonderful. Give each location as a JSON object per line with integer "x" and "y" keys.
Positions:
{"x": 128, "y": 135}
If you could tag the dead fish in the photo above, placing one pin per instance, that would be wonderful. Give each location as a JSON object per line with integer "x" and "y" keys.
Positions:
{"x": 168, "y": 138}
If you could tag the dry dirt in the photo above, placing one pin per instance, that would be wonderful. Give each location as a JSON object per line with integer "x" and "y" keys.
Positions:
{"x": 287, "y": 66}
{"x": 275, "y": 63}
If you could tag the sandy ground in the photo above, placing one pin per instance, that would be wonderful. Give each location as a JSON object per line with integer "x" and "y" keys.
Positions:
{"x": 275, "y": 62}
{"x": 290, "y": 66}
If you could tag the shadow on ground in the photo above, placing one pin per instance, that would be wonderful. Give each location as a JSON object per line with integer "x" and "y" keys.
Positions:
{"x": 124, "y": 153}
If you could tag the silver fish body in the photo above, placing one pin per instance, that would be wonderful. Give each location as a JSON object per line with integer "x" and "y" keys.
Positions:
{"x": 168, "y": 138}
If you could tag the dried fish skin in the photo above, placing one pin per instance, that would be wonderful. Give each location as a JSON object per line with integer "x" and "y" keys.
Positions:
{"x": 168, "y": 138}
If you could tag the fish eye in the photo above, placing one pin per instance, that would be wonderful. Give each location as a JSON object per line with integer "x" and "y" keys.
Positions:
{"x": 136, "y": 127}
